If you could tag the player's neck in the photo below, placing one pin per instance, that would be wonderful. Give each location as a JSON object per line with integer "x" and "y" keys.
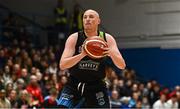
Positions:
{"x": 91, "y": 33}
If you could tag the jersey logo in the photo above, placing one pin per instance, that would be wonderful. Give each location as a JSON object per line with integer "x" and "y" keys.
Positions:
{"x": 89, "y": 65}
{"x": 100, "y": 98}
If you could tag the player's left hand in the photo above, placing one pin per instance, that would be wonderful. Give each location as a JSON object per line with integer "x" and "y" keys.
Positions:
{"x": 106, "y": 51}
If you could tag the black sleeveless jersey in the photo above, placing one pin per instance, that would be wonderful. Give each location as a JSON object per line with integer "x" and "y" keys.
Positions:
{"x": 88, "y": 69}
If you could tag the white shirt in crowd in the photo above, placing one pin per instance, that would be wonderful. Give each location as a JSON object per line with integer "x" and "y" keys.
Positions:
{"x": 171, "y": 105}
{"x": 159, "y": 105}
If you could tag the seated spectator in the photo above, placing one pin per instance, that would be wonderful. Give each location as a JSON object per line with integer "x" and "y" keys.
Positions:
{"x": 52, "y": 69}
{"x": 115, "y": 99}
{"x": 19, "y": 85}
{"x": 17, "y": 70}
{"x": 4, "y": 102}
{"x": 35, "y": 91}
{"x": 178, "y": 97}
{"x": 51, "y": 100}
{"x": 122, "y": 89}
{"x": 7, "y": 74}
{"x": 125, "y": 103}
{"x": 1, "y": 80}
{"x": 8, "y": 87}
{"x": 160, "y": 103}
{"x": 134, "y": 99}
{"x": 23, "y": 100}
{"x": 139, "y": 104}
{"x": 47, "y": 86}
{"x": 172, "y": 102}
{"x": 153, "y": 93}
{"x": 12, "y": 98}
{"x": 145, "y": 103}
{"x": 62, "y": 81}
{"x": 25, "y": 75}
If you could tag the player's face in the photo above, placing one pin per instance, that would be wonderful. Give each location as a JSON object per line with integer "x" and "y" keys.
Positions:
{"x": 90, "y": 20}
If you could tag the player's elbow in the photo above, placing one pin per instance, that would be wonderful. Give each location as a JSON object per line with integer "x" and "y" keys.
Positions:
{"x": 122, "y": 65}
{"x": 62, "y": 67}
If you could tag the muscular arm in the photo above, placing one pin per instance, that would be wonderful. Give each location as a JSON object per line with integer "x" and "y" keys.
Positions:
{"x": 67, "y": 59}
{"x": 114, "y": 52}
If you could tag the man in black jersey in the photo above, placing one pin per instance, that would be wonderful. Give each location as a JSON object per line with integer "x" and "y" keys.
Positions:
{"x": 85, "y": 87}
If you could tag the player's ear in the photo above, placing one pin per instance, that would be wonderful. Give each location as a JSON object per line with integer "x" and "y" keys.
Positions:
{"x": 99, "y": 21}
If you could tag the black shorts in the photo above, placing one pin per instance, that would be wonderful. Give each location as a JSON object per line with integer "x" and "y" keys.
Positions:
{"x": 84, "y": 95}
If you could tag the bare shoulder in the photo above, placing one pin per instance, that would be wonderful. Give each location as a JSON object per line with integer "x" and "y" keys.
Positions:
{"x": 73, "y": 36}
{"x": 71, "y": 41}
{"x": 109, "y": 38}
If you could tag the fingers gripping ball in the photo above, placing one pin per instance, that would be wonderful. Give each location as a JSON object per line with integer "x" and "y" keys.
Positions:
{"x": 94, "y": 47}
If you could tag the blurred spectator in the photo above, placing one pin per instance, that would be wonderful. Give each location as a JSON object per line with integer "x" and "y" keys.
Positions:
{"x": 61, "y": 15}
{"x": 165, "y": 91}
{"x": 122, "y": 89}
{"x": 135, "y": 87}
{"x": 153, "y": 92}
{"x": 145, "y": 103}
{"x": 51, "y": 100}
{"x": 125, "y": 103}
{"x": 35, "y": 91}
{"x": 115, "y": 99}
{"x": 25, "y": 75}
{"x": 53, "y": 68}
{"x": 9, "y": 86}
{"x": 4, "y": 102}
{"x": 39, "y": 77}
{"x": 172, "y": 102}
{"x": 62, "y": 81}
{"x": 6, "y": 75}
{"x": 114, "y": 84}
{"x": 110, "y": 76}
{"x": 129, "y": 74}
{"x": 134, "y": 99}
{"x": 139, "y": 104}
{"x": 61, "y": 23}
{"x": 63, "y": 72}
{"x": 76, "y": 19}
{"x": 36, "y": 60}
{"x": 2, "y": 58}
{"x": 160, "y": 103}
{"x": 9, "y": 63}
{"x": 128, "y": 89}
{"x": 33, "y": 70}
{"x": 2, "y": 85}
{"x": 17, "y": 70}
{"x": 47, "y": 86}
{"x": 177, "y": 88}
{"x": 23, "y": 100}
{"x": 19, "y": 85}
{"x": 12, "y": 97}
{"x": 178, "y": 98}
{"x": 51, "y": 57}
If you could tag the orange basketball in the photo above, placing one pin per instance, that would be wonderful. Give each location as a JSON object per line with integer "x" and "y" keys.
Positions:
{"x": 94, "y": 46}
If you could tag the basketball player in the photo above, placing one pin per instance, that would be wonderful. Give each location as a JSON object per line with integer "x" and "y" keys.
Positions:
{"x": 86, "y": 87}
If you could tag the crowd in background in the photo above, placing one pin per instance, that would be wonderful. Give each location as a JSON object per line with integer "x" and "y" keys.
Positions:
{"x": 30, "y": 76}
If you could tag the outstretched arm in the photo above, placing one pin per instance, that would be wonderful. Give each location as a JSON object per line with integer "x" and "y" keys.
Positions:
{"x": 114, "y": 52}
{"x": 67, "y": 59}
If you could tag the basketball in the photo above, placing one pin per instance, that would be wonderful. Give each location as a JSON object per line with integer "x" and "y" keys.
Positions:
{"x": 94, "y": 47}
